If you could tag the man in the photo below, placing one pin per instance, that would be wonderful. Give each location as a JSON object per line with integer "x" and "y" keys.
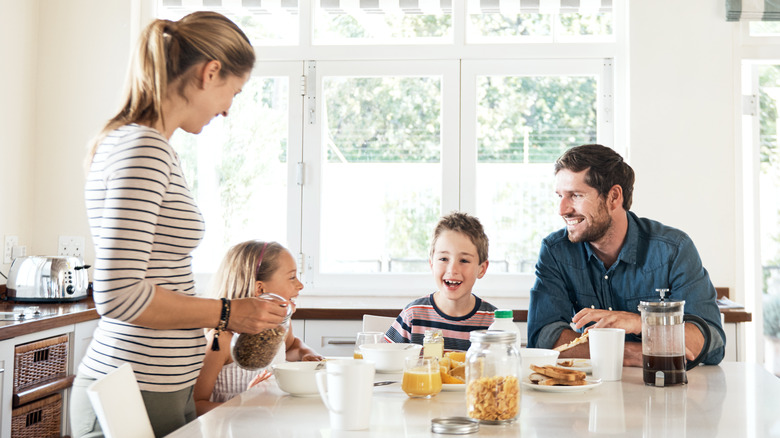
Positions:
{"x": 606, "y": 260}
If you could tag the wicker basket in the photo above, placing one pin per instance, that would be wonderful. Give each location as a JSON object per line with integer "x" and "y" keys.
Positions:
{"x": 40, "y": 361}
{"x": 39, "y": 419}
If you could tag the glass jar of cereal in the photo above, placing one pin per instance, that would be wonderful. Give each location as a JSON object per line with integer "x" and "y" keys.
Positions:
{"x": 492, "y": 377}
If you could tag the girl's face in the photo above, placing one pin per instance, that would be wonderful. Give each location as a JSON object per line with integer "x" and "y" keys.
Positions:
{"x": 284, "y": 281}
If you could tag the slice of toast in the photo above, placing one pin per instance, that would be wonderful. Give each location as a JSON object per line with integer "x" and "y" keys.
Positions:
{"x": 580, "y": 340}
{"x": 561, "y": 382}
{"x": 559, "y": 373}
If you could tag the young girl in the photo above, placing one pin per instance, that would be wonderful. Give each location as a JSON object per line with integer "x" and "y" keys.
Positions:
{"x": 249, "y": 269}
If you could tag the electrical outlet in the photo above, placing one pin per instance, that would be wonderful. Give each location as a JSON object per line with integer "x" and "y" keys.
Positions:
{"x": 10, "y": 242}
{"x": 71, "y": 246}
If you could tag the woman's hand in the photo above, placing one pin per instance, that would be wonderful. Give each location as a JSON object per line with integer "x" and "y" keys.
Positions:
{"x": 252, "y": 315}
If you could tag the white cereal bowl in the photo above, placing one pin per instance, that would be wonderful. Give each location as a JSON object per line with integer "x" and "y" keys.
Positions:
{"x": 536, "y": 356}
{"x": 297, "y": 378}
{"x": 388, "y": 357}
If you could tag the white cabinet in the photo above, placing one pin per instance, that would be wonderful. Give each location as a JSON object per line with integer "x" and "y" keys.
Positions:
{"x": 331, "y": 338}
{"x": 79, "y": 342}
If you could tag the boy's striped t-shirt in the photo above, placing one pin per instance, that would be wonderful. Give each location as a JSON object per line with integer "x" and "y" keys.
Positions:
{"x": 422, "y": 314}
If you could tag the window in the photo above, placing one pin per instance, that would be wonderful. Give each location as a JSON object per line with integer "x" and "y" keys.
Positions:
{"x": 765, "y": 147}
{"x": 348, "y": 144}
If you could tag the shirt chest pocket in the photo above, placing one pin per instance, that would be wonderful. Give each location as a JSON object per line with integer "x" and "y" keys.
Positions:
{"x": 585, "y": 298}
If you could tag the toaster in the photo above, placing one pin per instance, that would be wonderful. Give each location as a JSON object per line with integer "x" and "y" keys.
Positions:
{"x": 42, "y": 278}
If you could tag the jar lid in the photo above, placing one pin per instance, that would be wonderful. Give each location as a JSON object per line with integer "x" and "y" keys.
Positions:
{"x": 492, "y": 336}
{"x": 503, "y": 313}
{"x": 454, "y": 425}
{"x": 668, "y": 306}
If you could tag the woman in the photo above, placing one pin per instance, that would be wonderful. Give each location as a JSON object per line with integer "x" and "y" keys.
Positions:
{"x": 145, "y": 223}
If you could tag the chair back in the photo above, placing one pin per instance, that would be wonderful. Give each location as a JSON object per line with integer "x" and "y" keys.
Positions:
{"x": 374, "y": 323}
{"x": 119, "y": 406}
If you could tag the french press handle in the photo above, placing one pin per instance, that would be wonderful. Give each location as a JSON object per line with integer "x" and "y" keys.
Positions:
{"x": 705, "y": 330}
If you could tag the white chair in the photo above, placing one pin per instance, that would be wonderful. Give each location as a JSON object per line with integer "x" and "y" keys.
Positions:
{"x": 374, "y": 323}
{"x": 117, "y": 402}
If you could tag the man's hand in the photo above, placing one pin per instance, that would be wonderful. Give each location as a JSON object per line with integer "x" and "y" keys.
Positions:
{"x": 694, "y": 341}
{"x": 632, "y": 354}
{"x": 630, "y": 322}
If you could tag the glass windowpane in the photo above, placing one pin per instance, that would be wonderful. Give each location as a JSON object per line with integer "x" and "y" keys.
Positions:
{"x": 264, "y": 27}
{"x": 381, "y": 178}
{"x": 388, "y": 27}
{"x": 524, "y": 123}
{"x": 237, "y": 169}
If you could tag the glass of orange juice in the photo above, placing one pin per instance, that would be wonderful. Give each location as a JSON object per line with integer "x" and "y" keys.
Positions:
{"x": 366, "y": 338}
{"x": 421, "y": 377}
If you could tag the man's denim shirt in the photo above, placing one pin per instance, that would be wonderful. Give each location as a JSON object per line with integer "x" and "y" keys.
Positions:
{"x": 569, "y": 277}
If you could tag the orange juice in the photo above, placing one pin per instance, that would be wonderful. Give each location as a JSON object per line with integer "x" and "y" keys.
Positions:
{"x": 421, "y": 382}
{"x": 357, "y": 355}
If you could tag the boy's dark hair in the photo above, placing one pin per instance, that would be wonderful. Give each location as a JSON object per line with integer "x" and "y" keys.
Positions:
{"x": 605, "y": 169}
{"x": 465, "y": 224}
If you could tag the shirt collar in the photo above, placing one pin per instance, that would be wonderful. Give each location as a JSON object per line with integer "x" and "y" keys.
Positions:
{"x": 628, "y": 251}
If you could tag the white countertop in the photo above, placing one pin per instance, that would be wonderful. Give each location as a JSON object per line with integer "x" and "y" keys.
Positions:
{"x": 733, "y": 399}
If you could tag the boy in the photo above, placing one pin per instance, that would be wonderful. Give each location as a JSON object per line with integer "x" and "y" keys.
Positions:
{"x": 459, "y": 253}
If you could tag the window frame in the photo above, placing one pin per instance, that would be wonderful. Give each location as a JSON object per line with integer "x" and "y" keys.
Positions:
{"x": 303, "y": 208}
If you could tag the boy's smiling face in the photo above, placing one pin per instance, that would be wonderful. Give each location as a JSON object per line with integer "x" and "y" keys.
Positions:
{"x": 456, "y": 267}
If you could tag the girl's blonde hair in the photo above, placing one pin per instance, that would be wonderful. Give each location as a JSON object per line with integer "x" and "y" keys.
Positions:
{"x": 166, "y": 52}
{"x": 239, "y": 269}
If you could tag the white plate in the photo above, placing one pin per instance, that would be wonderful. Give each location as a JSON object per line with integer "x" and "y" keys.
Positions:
{"x": 453, "y": 386}
{"x": 592, "y": 383}
{"x": 579, "y": 365}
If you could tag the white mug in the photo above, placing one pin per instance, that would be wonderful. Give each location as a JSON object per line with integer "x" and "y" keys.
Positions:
{"x": 606, "y": 352}
{"x": 346, "y": 387}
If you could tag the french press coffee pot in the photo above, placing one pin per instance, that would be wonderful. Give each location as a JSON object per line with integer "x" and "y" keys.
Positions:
{"x": 663, "y": 341}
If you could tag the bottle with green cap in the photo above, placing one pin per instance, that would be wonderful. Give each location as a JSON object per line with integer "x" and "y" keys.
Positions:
{"x": 503, "y": 319}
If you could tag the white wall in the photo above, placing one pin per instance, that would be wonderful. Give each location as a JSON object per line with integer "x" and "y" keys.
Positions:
{"x": 682, "y": 128}
{"x": 681, "y": 116}
{"x": 18, "y": 34}
{"x": 82, "y": 58}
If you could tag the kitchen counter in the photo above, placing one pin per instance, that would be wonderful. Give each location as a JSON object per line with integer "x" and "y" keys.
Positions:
{"x": 58, "y": 314}
{"x": 733, "y": 399}
{"x": 51, "y": 315}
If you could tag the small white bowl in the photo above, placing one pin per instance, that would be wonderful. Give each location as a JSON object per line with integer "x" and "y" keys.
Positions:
{"x": 388, "y": 357}
{"x": 297, "y": 378}
{"x": 536, "y": 356}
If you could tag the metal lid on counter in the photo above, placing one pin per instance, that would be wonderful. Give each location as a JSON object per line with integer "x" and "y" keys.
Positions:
{"x": 454, "y": 425}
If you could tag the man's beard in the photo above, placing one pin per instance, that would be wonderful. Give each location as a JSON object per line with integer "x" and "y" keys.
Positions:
{"x": 596, "y": 230}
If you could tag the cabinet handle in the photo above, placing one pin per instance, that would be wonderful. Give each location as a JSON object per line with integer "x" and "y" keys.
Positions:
{"x": 340, "y": 342}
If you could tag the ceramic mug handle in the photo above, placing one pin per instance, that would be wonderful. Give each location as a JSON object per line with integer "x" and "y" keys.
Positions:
{"x": 322, "y": 387}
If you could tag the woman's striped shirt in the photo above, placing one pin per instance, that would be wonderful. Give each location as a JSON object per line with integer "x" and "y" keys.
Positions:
{"x": 422, "y": 314}
{"x": 144, "y": 224}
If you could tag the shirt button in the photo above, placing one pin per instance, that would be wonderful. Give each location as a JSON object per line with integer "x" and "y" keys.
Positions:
{"x": 606, "y": 277}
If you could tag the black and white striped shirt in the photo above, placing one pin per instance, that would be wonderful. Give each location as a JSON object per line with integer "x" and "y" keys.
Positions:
{"x": 145, "y": 224}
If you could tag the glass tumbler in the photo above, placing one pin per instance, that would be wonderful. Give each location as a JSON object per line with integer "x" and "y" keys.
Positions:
{"x": 364, "y": 338}
{"x": 421, "y": 377}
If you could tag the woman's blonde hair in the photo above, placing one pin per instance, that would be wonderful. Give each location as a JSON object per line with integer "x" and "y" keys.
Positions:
{"x": 242, "y": 266}
{"x": 166, "y": 52}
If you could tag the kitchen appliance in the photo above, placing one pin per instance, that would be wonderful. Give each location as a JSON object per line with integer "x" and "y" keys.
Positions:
{"x": 47, "y": 279}
{"x": 663, "y": 341}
